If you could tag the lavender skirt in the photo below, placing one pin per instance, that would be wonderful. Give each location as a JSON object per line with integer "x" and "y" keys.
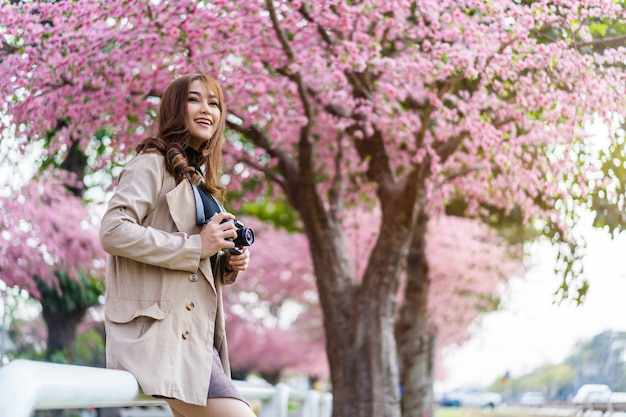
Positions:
{"x": 221, "y": 385}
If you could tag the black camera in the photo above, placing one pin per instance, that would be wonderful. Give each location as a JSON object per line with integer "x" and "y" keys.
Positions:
{"x": 245, "y": 237}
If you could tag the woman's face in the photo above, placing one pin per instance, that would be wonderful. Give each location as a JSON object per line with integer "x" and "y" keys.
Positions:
{"x": 203, "y": 111}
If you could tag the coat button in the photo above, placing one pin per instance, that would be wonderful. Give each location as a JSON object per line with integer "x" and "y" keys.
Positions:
{"x": 186, "y": 335}
{"x": 190, "y": 306}
{"x": 193, "y": 277}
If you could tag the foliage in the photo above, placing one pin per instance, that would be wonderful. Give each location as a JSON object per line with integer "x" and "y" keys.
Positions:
{"x": 469, "y": 265}
{"x": 71, "y": 295}
{"x": 49, "y": 247}
{"x": 274, "y": 320}
{"x": 601, "y": 360}
{"x": 609, "y": 199}
{"x": 276, "y": 211}
{"x": 47, "y": 230}
{"x": 29, "y": 334}
{"x": 504, "y": 84}
{"x": 89, "y": 348}
{"x": 274, "y": 316}
{"x": 29, "y": 337}
{"x": 401, "y": 105}
{"x": 597, "y": 360}
{"x": 554, "y": 380}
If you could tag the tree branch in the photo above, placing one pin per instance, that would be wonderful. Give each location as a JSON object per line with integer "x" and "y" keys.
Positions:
{"x": 261, "y": 168}
{"x": 304, "y": 146}
{"x": 7, "y": 49}
{"x": 602, "y": 42}
{"x": 64, "y": 80}
{"x": 335, "y": 200}
{"x": 257, "y": 137}
{"x": 379, "y": 168}
{"x": 321, "y": 30}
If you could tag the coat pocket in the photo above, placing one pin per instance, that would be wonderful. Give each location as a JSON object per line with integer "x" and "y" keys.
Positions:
{"x": 131, "y": 320}
{"x": 119, "y": 310}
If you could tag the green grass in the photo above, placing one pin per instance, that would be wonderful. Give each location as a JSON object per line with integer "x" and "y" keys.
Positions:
{"x": 459, "y": 412}
{"x": 477, "y": 412}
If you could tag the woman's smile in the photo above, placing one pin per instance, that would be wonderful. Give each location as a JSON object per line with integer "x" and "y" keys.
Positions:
{"x": 203, "y": 111}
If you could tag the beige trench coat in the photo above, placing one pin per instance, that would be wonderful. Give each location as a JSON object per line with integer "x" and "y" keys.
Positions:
{"x": 163, "y": 304}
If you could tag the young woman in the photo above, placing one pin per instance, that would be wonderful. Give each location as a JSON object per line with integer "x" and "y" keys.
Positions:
{"x": 164, "y": 316}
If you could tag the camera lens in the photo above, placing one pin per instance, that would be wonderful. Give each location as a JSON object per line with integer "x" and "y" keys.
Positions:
{"x": 248, "y": 236}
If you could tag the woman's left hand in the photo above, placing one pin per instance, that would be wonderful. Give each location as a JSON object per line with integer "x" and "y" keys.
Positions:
{"x": 239, "y": 262}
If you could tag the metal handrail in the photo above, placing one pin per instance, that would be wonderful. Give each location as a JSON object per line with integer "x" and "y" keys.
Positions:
{"x": 27, "y": 385}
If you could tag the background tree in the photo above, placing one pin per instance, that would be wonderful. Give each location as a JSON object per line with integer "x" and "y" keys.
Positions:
{"x": 274, "y": 319}
{"x": 406, "y": 104}
{"x": 274, "y": 314}
{"x": 600, "y": 360}
{"x": 597, "y": 360}
{"x": 49, "y": 247}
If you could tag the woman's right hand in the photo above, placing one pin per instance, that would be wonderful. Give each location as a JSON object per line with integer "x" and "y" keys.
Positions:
{"x": 215, "y": 233}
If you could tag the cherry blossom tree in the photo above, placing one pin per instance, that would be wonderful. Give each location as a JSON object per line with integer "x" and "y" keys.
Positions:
{"x": 274, "y": 318}
{"x": 407, "y": 105}
{"x": 470, "y": 264}
{"x": 49, "y": 247}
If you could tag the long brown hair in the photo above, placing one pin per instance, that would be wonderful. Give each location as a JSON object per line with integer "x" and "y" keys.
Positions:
{"x": 173, "y": 135}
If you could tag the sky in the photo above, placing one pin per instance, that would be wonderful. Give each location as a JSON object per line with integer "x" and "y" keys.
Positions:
{"x": 530, "y": 329}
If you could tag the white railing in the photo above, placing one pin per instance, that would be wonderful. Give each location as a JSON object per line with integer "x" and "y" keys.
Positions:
{"x": 26, "y": 386}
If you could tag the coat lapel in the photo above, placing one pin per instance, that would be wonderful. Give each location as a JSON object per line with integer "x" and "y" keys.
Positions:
{"x": 182, "y": 206}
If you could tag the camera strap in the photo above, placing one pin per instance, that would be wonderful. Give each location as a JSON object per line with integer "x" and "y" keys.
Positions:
{"x": 201, "y": 219}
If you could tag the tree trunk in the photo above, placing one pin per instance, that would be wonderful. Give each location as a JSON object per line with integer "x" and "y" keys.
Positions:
{"x": 362, "y": 354}
{"x": 359, "y": 315}
{"x": 415, "y": 339}
{"x": 359, "y": 323}
{"x": 61, "y": 318}
{"x": 62, "y": 330}
{"x": 271, "y": 377}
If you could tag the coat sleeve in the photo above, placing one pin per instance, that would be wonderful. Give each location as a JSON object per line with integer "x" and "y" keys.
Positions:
{"x": 122, "y": 232}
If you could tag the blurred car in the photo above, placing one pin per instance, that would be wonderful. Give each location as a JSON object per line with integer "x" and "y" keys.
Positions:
{"x": 618, "y": 401}
{"x": 470, "y": 397}
{"x": 589, "y": 394}
{"x": 532, "y": 398}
